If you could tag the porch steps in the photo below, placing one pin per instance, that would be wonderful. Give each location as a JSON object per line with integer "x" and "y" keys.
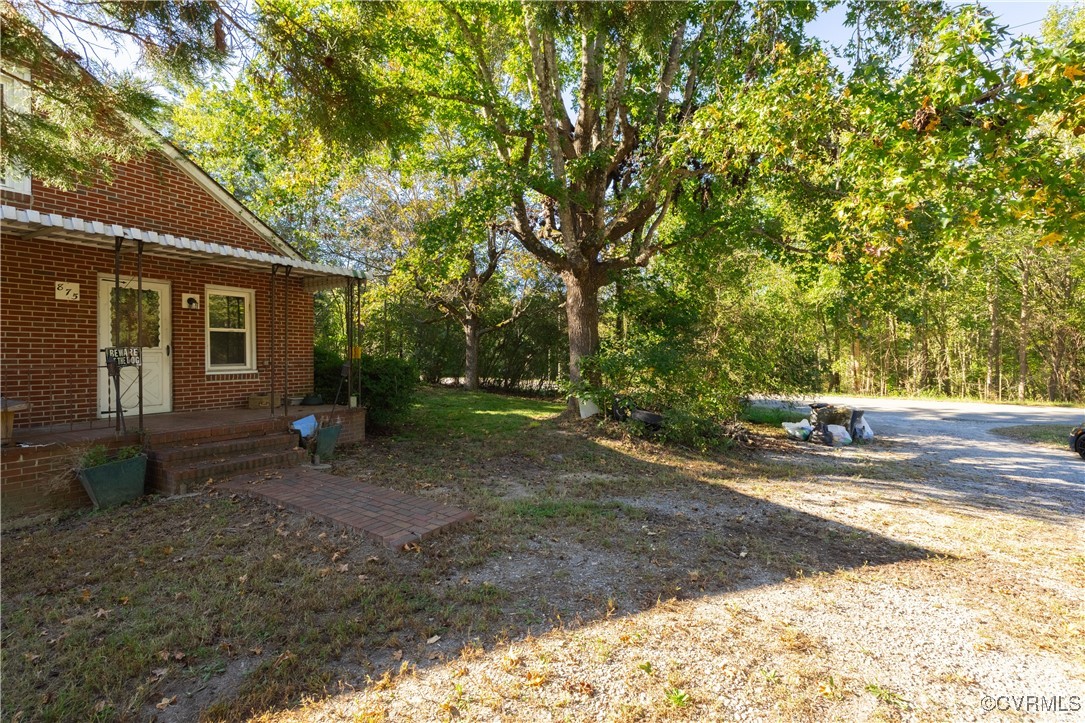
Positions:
{"x": 183, "y": 461}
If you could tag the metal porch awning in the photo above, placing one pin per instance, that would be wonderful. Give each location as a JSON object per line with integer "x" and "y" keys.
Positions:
{"x": 27, "y": 223}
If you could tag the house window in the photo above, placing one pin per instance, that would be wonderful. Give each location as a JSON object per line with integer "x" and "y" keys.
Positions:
{"x": 14, "y": 95}
{"x": 231, "y": 338}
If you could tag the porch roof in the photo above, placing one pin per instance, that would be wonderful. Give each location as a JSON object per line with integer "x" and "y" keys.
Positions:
{"x": 33, "y": 224}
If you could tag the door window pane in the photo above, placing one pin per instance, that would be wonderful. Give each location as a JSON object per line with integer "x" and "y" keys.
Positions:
{"x": 122, "y": 306}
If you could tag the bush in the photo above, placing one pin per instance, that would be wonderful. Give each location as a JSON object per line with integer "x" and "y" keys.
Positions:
{"x": 694, "y": 394}
{"x": 386, "y": 386}
{"x": 327, "y": 374}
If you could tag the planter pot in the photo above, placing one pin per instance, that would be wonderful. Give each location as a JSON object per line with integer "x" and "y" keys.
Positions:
{"x": 325, "y": 441}
{"x": 115, "y": 483}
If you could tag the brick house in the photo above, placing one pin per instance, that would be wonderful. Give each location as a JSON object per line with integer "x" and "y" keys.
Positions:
{"x": 227, "y": 308}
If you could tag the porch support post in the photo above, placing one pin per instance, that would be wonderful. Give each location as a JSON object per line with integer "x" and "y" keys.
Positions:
{"x": 139, "y": 327}
{"x": 117, "y": 241}
{"x": 348, "y": 312}
{"x": 286, "y": 338}
{"x": 271, "y": 339}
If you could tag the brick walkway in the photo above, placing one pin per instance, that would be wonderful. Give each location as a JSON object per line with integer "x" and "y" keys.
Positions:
{"x": 386, "y": 516}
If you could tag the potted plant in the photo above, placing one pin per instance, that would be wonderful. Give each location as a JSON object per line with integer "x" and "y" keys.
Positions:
{"x": 113, "y": 479}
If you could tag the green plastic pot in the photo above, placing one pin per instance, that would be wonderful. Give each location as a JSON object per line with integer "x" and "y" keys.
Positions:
{"x": 115, "y": 483}
{"x": 325, "y": 441}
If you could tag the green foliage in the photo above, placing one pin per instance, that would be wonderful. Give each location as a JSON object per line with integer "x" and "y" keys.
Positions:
{"x": 77, "y": 124}
{"x": 387, "y": 388}
{"x": 328, "y": 374}
{"x": 98, "y": 454}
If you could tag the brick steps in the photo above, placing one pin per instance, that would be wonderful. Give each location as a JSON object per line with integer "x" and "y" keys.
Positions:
{"x": 180, "y": 462}
{"x": 224, "y": 448}
{"x": 203, "y": 435}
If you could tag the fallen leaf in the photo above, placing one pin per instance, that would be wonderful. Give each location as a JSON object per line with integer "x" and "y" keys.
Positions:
{"x": 102, "y": 613}
{"x": 257, "y": 650}
{"x": 373, "y": 559}
{"x": 123, "y": 600}
{"x": 287, "y": 655}
{"x": 179, "y": 655}
{"x": 398, "y": 655}
{"x": 167, "y": 550}
{"x": 159, "y": 672}
{"x": 243, "y": 579}
{"x": 166, "y": 703}
{"x": 433, "y": 640}
{"x": 84, "y": 596}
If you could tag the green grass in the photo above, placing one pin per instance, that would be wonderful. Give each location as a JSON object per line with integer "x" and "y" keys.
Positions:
{"x": 772, "y": 416}
{"x": 1050, "y": 435}
{"x": 451, "y": 412}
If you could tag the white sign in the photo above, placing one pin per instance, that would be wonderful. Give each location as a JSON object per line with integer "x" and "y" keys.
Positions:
{"x": 67, "y": 291}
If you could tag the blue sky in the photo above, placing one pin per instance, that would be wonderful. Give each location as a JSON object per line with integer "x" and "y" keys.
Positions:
{"x": 1023, "y": 17}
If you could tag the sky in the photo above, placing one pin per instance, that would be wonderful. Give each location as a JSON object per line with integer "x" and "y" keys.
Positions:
{"x": 1023, "y": 17}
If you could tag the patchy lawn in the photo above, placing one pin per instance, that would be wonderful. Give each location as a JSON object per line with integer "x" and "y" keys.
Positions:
{"x": 1051, "y": 435}
{"x": 606, "y": 578}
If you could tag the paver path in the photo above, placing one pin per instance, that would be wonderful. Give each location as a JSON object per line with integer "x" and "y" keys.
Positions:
{"x": 384, "y": 515}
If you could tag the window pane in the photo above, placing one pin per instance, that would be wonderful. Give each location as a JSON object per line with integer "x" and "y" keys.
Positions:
{"x": 152, "y": 317}
{"x": 228, "y": 348}
{"x": 226, "y": 312}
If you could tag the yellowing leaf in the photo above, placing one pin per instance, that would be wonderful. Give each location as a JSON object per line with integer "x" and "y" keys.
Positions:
{"x": 906, "y": 125}
{"x": 1072, "y": 72}
{"x": 903, "y": 223}
{"x": 1050, "y": 239}
{"x": 1021, "y": 79}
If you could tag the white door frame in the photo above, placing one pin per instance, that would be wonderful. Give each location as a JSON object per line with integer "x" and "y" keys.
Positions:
{"x": 157, "y": 361}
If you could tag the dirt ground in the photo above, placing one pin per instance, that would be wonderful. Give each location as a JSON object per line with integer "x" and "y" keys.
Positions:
{"x": 606, "y": 578}
{"x": 910, "y": 579}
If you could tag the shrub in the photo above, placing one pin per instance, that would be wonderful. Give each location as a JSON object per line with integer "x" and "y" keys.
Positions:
{"x": 386, "y": 386}
{"x": 695, "y": 394}
{"x": 327, "y": 373}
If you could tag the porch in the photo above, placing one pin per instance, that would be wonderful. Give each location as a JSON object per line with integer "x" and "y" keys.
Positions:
{"x": 37, "y": 474}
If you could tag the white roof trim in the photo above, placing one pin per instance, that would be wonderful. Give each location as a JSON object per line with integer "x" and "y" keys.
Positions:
{"x": 76, "y": 230}
{"x": 220, "y": 194}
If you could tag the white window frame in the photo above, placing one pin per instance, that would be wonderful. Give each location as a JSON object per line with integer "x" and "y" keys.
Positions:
{"x": 250, "y": 330}
{"x": 17, "y": 95}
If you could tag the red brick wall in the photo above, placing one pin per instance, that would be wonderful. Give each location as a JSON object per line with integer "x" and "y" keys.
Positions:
{"x": 151, "y": 194}
{"x": 48, "y": 348}
{"x": 39, "y": 480}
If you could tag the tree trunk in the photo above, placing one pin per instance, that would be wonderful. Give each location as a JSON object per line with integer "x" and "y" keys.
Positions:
{"x": 1022, "y": 337}
{"x": 994, "y": 348}
{"x": 470, "y": 364}
{"x": 582, "y": 312}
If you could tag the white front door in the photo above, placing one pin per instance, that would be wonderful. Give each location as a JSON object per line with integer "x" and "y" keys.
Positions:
{"x": 157, "y": 377}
